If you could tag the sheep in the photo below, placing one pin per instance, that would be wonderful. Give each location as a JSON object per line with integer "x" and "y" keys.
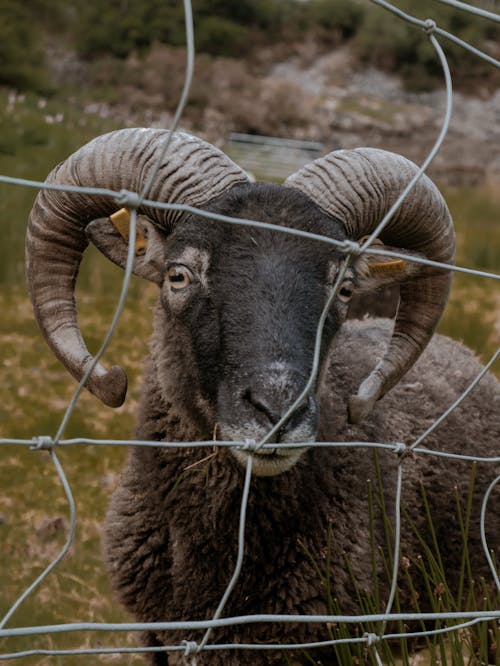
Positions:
{"x": 232, "y": 348}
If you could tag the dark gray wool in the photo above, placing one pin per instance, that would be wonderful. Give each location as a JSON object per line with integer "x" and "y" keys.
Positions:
{"x": 170, "y": 536}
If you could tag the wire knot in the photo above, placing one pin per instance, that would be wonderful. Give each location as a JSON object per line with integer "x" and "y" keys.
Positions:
{"x": 42, "y": 443}
{"x": 429, "y": 26}
{"x": 400, "y": 449}
{"x": 350, "y": 247}
{"x": 371, "y": 639}
{"x": 130, "y": 200}
{"x": 190, "y": 652}
{"x": 249, "y": 445}
{"x": 191, "y": 648}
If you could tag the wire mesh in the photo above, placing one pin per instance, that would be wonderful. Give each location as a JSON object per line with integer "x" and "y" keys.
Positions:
{"x": 190, "y": 649}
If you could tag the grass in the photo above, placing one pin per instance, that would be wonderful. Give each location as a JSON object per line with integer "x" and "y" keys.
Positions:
{"x": 371, "y": 107}
{"x": 33, "y": 509}
{"x": 473, "y": 311}
{"x": 479, "y": 644}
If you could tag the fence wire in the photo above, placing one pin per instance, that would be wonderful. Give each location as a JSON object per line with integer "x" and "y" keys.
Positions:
{"x": 190, "y": 649}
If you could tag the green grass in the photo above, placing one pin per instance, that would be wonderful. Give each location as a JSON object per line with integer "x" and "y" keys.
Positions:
{"x": 473, "y": 311}
{"x": 33, "y": 509}
{"x": 371, "y": 107}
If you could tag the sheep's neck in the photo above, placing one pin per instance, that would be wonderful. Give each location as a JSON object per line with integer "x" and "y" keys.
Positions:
{"x": 167, "y": 420}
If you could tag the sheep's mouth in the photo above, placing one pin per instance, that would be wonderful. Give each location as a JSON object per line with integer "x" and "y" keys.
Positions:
{"x": 274, "y": 457}
{"x": 269, "y": 461}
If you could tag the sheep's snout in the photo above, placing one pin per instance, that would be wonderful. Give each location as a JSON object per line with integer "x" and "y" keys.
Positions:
{"x": 253, "y": 410}
{"x": 269, "y": 410}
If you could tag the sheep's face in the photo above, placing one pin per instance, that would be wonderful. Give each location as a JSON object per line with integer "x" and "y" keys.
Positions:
{"x": 238, "y": 315}
{"x": 246, "y": 302}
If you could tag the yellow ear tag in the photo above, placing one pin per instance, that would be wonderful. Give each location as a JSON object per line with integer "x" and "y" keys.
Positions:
{"x": 387, "y": 267}
{"x": 121, "y": 222}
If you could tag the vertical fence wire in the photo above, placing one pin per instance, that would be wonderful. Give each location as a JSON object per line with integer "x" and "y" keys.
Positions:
{"x": 190, "y": 649}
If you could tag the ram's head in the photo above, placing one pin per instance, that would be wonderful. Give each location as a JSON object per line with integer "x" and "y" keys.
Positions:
{"x": 239, "y": 305}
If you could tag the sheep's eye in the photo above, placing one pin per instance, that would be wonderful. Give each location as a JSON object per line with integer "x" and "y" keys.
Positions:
{"x": 345, "y": 291}
{"x": 179, "y": 276}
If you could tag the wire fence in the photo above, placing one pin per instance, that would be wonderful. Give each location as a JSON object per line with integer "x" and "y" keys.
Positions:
{"x": 454, "y": 621}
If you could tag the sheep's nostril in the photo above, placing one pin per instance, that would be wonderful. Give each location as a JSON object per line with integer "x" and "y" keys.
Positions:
{"x": 263, "y": 412}
{"x": 270, "y": 407}
{"x": 262, "y": 405}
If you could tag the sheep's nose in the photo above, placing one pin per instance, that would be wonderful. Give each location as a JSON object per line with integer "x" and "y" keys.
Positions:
{"x": 263, "y": 403}
{"x": 271, "y": 407}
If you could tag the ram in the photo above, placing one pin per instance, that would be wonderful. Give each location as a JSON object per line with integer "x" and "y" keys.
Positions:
{"x": 232, "y": 349}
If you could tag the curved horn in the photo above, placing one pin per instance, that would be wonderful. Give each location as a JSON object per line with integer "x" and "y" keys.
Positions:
{"x": 193, "y": 173}
{"x": 358, "y": 187}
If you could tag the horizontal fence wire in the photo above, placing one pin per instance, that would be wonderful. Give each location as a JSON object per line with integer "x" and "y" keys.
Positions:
{"x": 132, "y": 200}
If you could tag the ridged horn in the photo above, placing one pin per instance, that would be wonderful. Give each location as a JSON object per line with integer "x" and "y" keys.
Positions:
{"x": 358, "y": 187}
{"x": 192, "y": 173}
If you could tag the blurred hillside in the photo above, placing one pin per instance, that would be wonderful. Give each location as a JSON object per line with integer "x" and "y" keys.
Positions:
{"x": 91, "y": 30}
{"x": 343, "y": 72}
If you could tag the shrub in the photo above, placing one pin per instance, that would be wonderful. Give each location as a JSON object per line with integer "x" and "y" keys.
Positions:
{"x": 342, "y": 16}
{"x": 22, "y": 61}
{"x": 220, "y": 36}
{"x": 387, "y": 42}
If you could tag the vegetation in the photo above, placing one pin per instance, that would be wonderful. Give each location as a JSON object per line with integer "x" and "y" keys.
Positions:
{"x": 232, "y": 28}
{"x": 394, "y": 45}
{"x": 476, "y": 644}
{"x": 22, "y": 63}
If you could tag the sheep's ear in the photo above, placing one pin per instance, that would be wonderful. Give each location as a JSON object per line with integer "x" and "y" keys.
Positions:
{"x": 376, "y": 271}
{"x": 110, "y": 235}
